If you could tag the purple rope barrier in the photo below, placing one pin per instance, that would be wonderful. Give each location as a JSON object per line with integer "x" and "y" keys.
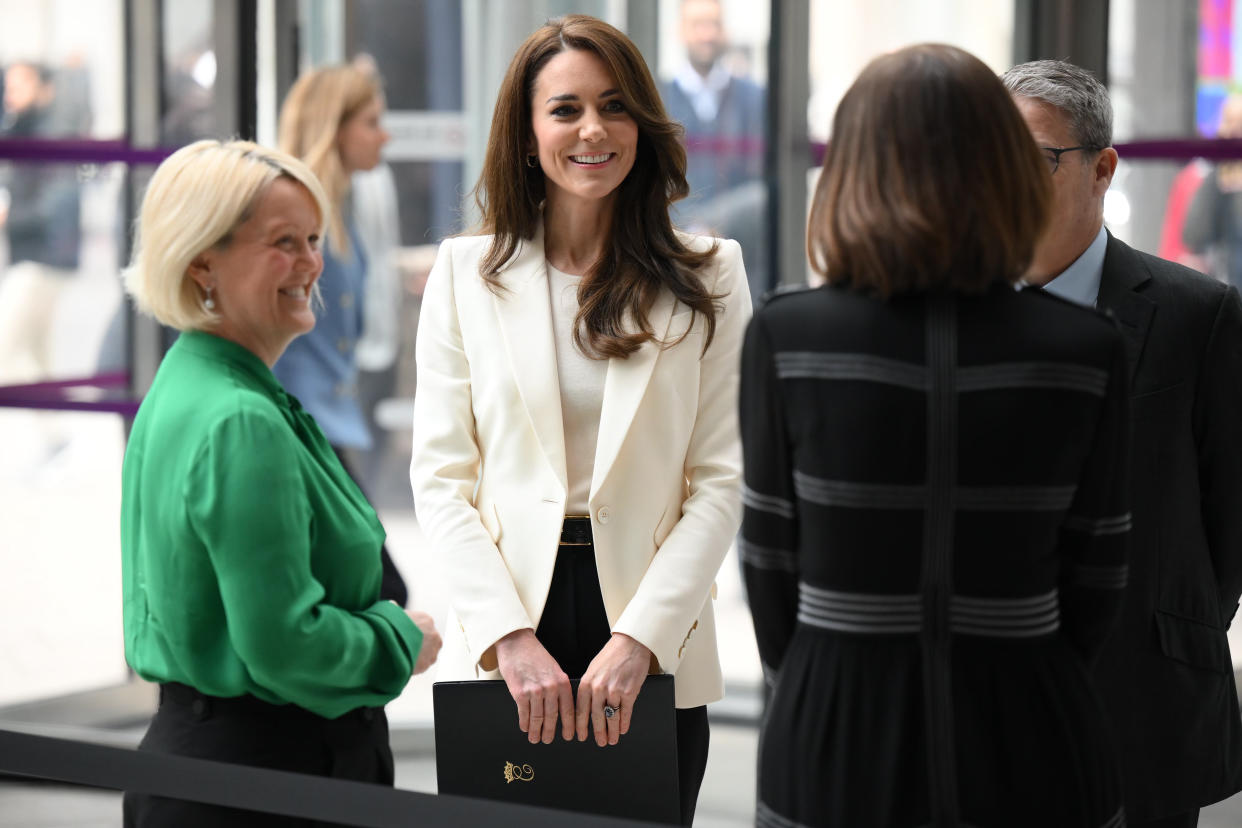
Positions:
{"x": 37, "y": 151}
{"x": 49, "y": 395}
{"x": 1164, "y": 149}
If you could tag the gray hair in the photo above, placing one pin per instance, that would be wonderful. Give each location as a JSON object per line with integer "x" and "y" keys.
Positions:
{"x": 1071, "y": 89}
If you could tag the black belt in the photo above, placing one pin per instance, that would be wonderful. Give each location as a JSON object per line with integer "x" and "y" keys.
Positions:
{"x": 576, "y": 531}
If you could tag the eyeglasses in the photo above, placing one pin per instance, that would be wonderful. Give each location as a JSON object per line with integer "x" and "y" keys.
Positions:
{"x": 1053, "y": 155}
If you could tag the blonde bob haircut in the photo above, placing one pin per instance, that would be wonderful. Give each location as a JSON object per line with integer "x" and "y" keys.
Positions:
{"x": 316, "y": 108}
{"x": 197, "y": 198}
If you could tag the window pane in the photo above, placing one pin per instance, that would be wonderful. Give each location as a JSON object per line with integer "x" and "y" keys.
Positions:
{"x": 76, "y": 49}
{"x": 188, "y": 106}
{"x": 61, "y": 312}
{"x": 713, "y": 75}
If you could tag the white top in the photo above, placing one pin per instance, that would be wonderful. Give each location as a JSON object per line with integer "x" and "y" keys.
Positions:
{"x": 582, "y": 391}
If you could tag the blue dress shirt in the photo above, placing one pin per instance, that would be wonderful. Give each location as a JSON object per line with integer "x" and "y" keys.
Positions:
{"x": 1080, "y": 282}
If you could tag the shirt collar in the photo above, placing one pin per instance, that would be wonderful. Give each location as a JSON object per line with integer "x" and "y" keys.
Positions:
{"x": 704, "y": 92}
{"x": 1080, "y": 282}
{"x": 210, "y": 346}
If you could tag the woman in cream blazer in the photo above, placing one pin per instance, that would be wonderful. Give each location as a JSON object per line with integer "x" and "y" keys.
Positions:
{"x": 489, "y": 469}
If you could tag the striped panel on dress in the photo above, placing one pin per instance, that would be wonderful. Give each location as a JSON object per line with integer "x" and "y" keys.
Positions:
{"x": 885, "y": 614}
{"x": 1055, "y": 375}
{"x": 870, "y": 368}
{"x": 1099, "y": 576}
{"x": 766, "y": 557}
{"x": 767, "y": 503}
{"x": 865, "y": 367}
{"x": 1117, "y": 525}
{"x": 1005, "y": 617}
{"x": 853, "y": 495}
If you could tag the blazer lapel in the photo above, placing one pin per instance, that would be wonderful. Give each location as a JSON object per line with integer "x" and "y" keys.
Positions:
{"x": 526, "y": 325}
{"x": 624, "y": 386}
{"x": 1124, "y": 273}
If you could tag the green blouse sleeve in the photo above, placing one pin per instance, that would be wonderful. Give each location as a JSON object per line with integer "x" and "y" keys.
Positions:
{"x": 247, "y": 503}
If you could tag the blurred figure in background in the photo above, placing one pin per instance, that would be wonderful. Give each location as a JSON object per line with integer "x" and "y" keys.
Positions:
{"x": 723, "y": 113}
{"x": 331, "y": 121}
{"x": 1213, "y": 224}
{"x": 936, "y": 513}
{"x": 377, "y": 221}
{"x": 41, "y": 218}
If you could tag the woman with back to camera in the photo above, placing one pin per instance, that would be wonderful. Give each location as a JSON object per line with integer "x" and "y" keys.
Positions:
{"x": 250, "y": 560}
{"x": 576, "y": 456}
{"x": 935, "y": 525}
{"x": 331, "y": 121}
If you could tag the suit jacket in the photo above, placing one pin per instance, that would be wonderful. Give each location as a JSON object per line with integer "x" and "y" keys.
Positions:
{"x": 488, "y": 467}
{"x": 1166, "y": 674}
{"x": 726, "y": 151}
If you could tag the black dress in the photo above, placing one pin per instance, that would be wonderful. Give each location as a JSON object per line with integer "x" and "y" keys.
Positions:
{"x": 934, "y": 544}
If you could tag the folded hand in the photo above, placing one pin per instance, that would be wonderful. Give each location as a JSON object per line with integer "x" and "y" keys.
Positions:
{"x": 539, "y": 687}
{"x": 613, "y": 678}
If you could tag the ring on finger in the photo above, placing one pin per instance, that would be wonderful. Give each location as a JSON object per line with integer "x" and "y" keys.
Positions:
{"x": 610, "y": 711}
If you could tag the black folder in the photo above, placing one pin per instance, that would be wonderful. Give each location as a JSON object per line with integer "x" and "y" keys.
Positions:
{"x": 481, "y": 752}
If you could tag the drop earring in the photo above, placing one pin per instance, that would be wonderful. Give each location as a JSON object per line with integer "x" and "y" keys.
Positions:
{"x": 209, "y": 303}
{"x": 530, "y": 161}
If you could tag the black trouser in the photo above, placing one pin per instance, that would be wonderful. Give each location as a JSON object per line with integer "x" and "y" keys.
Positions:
{"x": 247, "y": 731}
{"x": 392, "y": 585}
{"x": 1187, "y": 820}
{"x": 574, "y": 628}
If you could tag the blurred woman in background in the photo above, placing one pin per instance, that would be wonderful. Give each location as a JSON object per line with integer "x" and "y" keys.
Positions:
{"x": 331, "y": 121}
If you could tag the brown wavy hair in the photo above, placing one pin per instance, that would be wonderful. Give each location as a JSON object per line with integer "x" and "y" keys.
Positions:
{"x": 644, "y": 254}
{"x": 931, "y": 179}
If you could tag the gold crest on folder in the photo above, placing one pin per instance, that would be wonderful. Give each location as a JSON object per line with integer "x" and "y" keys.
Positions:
{"x": 522, "y": 773}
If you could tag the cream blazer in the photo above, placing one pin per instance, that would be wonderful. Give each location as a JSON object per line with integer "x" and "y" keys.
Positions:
{"x": 488, "y": 468}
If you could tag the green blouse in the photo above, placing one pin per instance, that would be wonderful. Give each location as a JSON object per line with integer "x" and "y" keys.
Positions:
{"x": 250, "y": 559}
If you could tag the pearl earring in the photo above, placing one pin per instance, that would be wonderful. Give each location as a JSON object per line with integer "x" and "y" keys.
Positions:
{"x": 209, "y": 303}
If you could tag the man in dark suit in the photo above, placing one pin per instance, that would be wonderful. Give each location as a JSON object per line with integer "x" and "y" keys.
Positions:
{"x": 1165, "y": 677}
{"x": 723, "y": 113}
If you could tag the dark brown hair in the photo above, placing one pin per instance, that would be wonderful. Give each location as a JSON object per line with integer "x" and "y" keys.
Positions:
{"x": 931, "y": 179}
{"x": 643, "y": 254}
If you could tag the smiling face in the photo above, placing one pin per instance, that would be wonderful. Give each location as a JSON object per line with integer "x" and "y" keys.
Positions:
{"x": 261, "y": 279}
{"x": 584, "y": 136}
{"x": 361, "y": 138}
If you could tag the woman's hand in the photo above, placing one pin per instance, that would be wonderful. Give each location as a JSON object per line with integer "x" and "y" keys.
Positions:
{"x": 539, "y": 686}
{"x": 431, "y": 640}
{"x": 614, "y": 678}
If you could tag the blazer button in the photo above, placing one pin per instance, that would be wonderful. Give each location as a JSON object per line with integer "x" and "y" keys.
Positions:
{"x": 603, "y": 514}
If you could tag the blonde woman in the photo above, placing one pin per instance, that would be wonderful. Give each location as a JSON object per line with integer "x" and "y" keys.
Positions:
{"x": 250, "y": 560}
{"x": 331, "y": 121}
